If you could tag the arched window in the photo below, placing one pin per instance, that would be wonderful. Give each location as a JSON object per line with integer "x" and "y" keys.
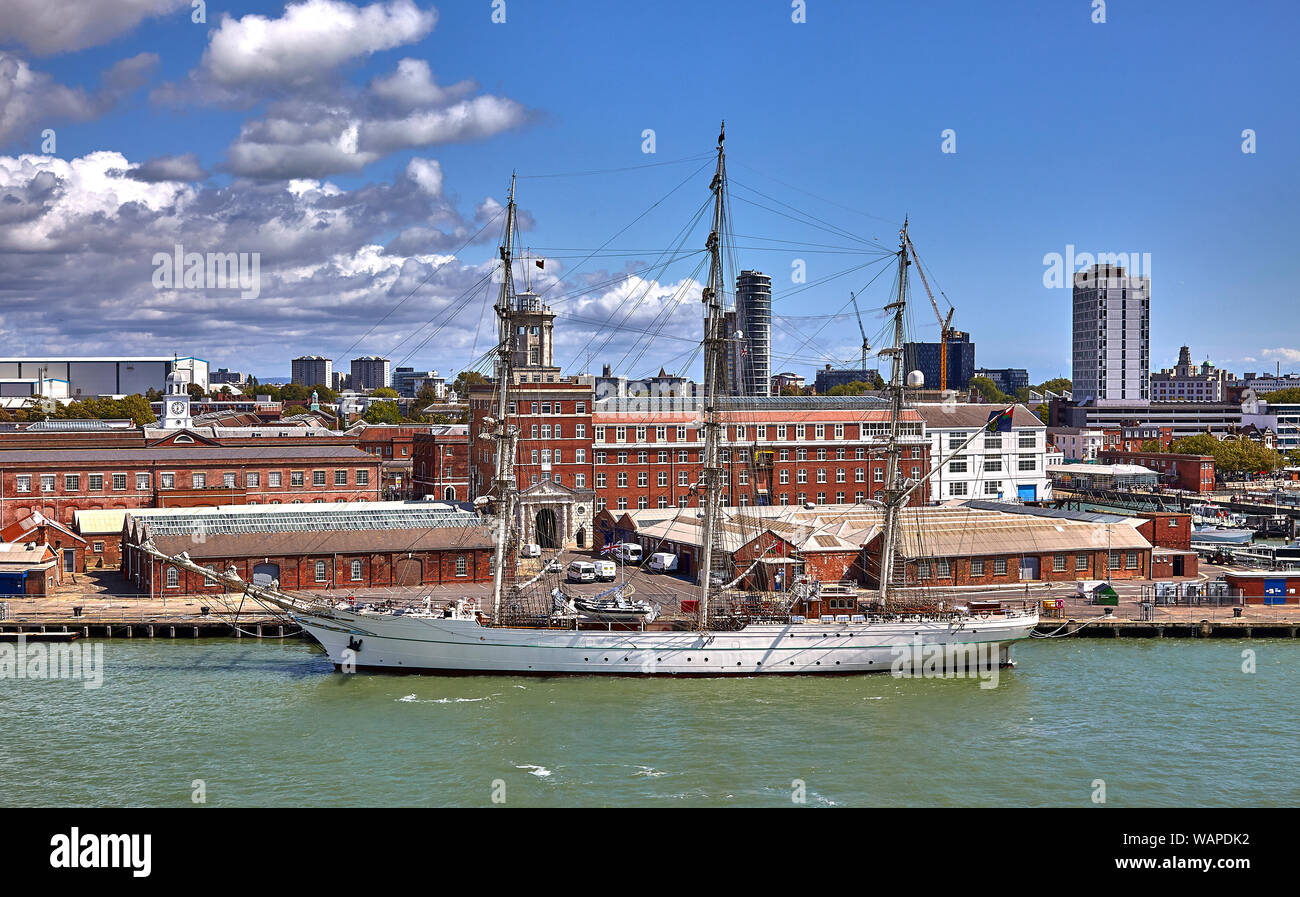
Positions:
{"x": 449, "y": 494}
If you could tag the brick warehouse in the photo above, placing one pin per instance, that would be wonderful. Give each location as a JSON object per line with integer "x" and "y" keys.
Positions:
{"x": 1193, "y": 473}
{"x": 60, "y": 482}
{"x": 554, "y": 424}
{"x": 344, "y": 547}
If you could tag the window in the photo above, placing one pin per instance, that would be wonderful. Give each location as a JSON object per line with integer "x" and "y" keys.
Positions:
{"x": 839, "y": 431}
{"x": 320, "y": 571}
{"x": 683, "y": 478}
{"x": 642, "y": 479}
{"x": 957, "y": 488}
{"x": 599, "y": 434}
{"x": 580, "y": 455}
{"x": 167, "y": 481}
{"x": 363, "y": 478}
{"x": 821, "y": 431}
{"x": 942, "y": 569}
{"x": 600, "y": 457}
{"x": 661, "y": 434}
{"x": 356, "y": 571}
{"x": 71, "y": 482}
{"x": 1026, "y": 441}
{"x": 784, "y": 477}
{"x": 999, "y": 566}
{"x": 47, "y": 482}
{"x": 228, "y": 480}
{"x": 600, "y": 481}
{"x": 993, "y": 465}
{"x": 663, "y": 478}
{"x": 620, "y": 434}
{"x": 922, "y": 569}
{"x": 622, "y": 457}
{"x": 801, "y": 475}
{"x": 580, "y": 408}
{"x": 24, "y": 483}
{"x": 821, "y": 474}
{"x": 740, "y": 431}
{"x": 622, "y": 479}
{"x": 1026, "y": 462}
{"x": 762, "y": 431}
{"x": 681, "y": 434}
{"x": 839, "y": 498}
{"x": 1131, "y": 561}
{"x": 340, "y": 477}
{"x": 200, "y": 480}
{"x": 580, "y": 480}
{"x": 621, "y": 504}
{"x": 252, "y": 479}
{"x": 1058, "y": 563}
{"x": 780, "y": 431}
{"x": 993, "y": 487}
{"x": 95, "y": 482}
{"x": 318, "y": 478}
{"x": 97, "y": 547}
{"x": 859, "y": 475}
{"x": 119, "y": 482}
{"x": 274, "y": 478}
{"x": 142, "y": 482}
{"x": 957, "y": 465}
{"x": 173, "y": 578}
{"x": 977, "y": 567}
{"x": 295, "y": 478}
{"x": 1080, "y": 562}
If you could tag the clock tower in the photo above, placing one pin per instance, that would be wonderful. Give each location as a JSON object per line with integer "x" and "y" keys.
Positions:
{"x": 176, "y": 403}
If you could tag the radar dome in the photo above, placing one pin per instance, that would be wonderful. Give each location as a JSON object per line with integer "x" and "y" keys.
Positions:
{"x": 915, "y": 380}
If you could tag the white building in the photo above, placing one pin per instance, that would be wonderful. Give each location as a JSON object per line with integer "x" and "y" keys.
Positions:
{"x": 1111, "y": 335}
{"x": 1187, "y": 382}
{"x": 1077, "y": 443}
{"x": 92, "y": 376}
{"x": 1007, "y": 466}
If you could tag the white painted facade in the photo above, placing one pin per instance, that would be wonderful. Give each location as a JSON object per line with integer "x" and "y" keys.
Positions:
{"x": 1007, "y": 466}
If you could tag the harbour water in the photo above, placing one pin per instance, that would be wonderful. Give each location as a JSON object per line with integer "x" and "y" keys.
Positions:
{"x": 1162, "y": 723}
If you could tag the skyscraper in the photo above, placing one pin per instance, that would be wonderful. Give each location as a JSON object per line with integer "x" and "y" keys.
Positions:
{"x": 371, "y": 372}
{"x": 751, "y": 356}
{"x": 311, "y": 370}
{"x": 1112, "y": 332}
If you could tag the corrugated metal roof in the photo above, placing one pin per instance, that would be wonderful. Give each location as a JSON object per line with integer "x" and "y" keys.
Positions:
{"x": 106, "y": 520}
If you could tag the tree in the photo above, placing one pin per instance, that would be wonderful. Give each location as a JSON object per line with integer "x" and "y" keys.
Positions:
{"x": 1232, "y": 456}
{"x": 384, "y": 392}
{"x": 464, "y": 380}
{"x": 1287, "y": 396}
{"x": 426, "y": 396}
{"x": 1056, "y": 385}
{"x": 382, "y": 413}
{"x": 853, "y": 388}
{"x": 1152, "y": 445}
{"x": 988, "y": 390}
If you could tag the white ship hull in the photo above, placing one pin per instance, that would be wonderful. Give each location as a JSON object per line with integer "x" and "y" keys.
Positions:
{"x": 427, "y": 644}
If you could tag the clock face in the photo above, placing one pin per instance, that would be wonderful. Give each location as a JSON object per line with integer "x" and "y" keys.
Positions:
{"x": 178, "y": 407}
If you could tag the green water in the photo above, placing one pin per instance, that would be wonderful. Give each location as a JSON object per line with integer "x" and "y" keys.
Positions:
{"x": 1163, "y": 723}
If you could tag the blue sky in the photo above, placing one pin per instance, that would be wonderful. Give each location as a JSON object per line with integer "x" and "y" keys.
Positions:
{"x": 1115, "y": 137}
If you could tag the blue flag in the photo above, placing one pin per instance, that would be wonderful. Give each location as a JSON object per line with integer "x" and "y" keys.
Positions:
{"x": 1000, "y": 421}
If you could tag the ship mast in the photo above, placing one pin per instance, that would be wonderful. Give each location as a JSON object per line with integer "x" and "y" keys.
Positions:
{"x": 715, "y": 374}
{"x": 895, "y": 493}
{"x": 501, "y": 431}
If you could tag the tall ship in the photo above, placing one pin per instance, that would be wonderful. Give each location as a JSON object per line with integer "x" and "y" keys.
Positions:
{"x": 534, "y": 626}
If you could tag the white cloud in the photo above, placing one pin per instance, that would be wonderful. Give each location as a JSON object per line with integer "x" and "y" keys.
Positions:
{"x": 31, "y": 101}
{"x": 309, "y": 41}
{"x": 45, "y": 26}
{"x": 1282, "y": 354}
{"x": 412, "y": 85}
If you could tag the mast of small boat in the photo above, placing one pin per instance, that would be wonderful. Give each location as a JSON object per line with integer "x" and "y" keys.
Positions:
{"x": 503, "y": 484}
{"x": 715, "y": 368}
{"x": 895, "y": 494}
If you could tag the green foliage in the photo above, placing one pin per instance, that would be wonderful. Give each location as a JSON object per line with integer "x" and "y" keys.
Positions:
{"x": 1233, "y": 456}
{"x": 136, "y": 407}
{"x": 384, "y": 392}
{"x": 1283, "y": 396}
{"x": 988, "y": 390}
{"x": 382, "y": 413}
{"x": 1056, "y": 385}
{"x": 853, "y": 388}
{"x": 464, "y": 380}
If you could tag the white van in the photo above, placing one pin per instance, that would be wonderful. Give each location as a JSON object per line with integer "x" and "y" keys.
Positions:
{"x": 581, "y": 571}
{"x": 662, "y": 562}
{"x": 606, "y": 571}
{"x": 628, "y": 553}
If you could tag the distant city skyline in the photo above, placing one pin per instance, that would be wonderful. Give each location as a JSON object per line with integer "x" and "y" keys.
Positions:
{"x": 354, "y": 157}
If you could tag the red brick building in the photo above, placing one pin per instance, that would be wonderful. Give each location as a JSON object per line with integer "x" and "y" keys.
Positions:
{"x": 440, "y": 463}
{"x": 1170, "y": 535}
{"x": 555, "y": 433}
{"x": 344, "y": 548}
{"x": 1134, "y": 437}
{"x": 1192, "y": 473}
{"x": 59, "y": 482}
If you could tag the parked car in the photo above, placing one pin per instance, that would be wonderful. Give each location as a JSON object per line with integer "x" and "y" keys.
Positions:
{"x": 606, "y": 571}
{"x": 662, "y": 562}
{"x": 530, "y": 550}
{"x": 581, "y": 571}
{"x": 628, "y": 552}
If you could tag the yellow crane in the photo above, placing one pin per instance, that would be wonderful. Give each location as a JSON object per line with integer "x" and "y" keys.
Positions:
{"x": 945, "y": 323}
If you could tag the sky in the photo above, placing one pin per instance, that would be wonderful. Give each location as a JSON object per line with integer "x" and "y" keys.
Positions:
{"x": 362, "y": 153}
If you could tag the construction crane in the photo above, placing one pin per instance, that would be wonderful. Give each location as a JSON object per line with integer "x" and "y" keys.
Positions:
{"x": 865, "y": 344}
{"x": 945, "y": 323}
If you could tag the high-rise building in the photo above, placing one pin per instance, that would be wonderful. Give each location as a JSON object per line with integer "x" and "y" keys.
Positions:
{"x": 750, "y": 355}
{"x": 370, "y": 372}
{"x": 311, "y": 370}
{"x": 1112, "y": 332}
{"x": 924, "y": 357}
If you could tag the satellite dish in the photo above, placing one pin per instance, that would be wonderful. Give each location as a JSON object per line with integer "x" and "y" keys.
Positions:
{"x": 915, "y": 380}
